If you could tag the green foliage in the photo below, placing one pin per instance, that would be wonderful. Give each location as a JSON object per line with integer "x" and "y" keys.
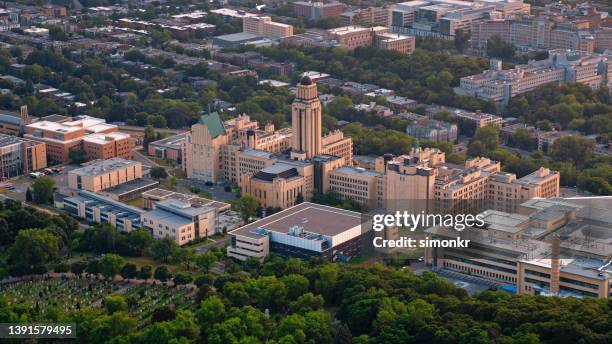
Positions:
{"x": 334, "y": 200}
{"x": 163, "y": 249}
{"x": 110, "y": 265}
{"x": 497, "y": 47}
{"x": 42, "y": 190}
{"x": 32, "y": 252}
{"x": 575, "y": 149}
{"x": 247, "y": 206}
{"x": 159, "y": 173}
{"x": 115, "y": 303}
{"x": 76, "y": 156}
{"x": 378, "y": 141}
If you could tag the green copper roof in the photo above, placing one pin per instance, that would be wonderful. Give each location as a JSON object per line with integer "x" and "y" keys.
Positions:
{"x": 214, "y": 124}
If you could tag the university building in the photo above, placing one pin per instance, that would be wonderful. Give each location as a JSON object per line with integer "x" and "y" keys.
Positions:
{"x": 548, "y": 247}
{"x": 303, "y": 231}
{"x": 91, "y": 136}
{"x": 275, "y": 166}
{"x": 500, "y": 86}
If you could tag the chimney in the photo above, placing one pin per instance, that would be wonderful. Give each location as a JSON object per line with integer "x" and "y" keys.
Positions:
{"x": 555, "y": 264}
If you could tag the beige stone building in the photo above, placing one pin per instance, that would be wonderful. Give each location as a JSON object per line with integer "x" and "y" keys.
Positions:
{"x": 182, "y": 220}
{"x": 239, "y": 153}
{"x": 265, "y": 27}
{"x": 104, "y": 174}
{"x": 352, "y": 37}
{"x": 202, "y": 149}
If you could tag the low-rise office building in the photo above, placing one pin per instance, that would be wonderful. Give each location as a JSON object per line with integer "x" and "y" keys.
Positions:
{"x": 20, "y": 156}
{"x": 303, "y": 231}
{"x": 101, "y": 175}
{"x": 183, "y": 221}
{"x": 97, "y": 208}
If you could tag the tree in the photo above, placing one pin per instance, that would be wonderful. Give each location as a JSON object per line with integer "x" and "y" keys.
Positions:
{"x": 115, "y": 303}
{"x": 93, "y": 267}
{"x": 76, "y": 156}
{"x": 32, "y": 252}
{"x": 77, "y": 268}
{"x": 149, "y": 136}
{"x": 157, "y": 121}
{"x": 139, "y": 240}
{"x": 163, "y": 249}
{"x": 247, "y": 206}
{"x": 296, "y": 285}
{"x": 462, "y": 38}
{"x": 159, "y": 173}
{"x": 489, "y": 136}
{"x": 205, "y": 261}
{"x": 164, "y": 313}
{"x": 129, "y": 270}
{"x": 57, "y": 34}
{"x": 110, "y": 265}
{"x": 497, "y": 47}
{"x": 183, "y": 277}
{"x": 145, "y": 272}
{"x": 523, "y": 139}
{"x": 42, "y": 190}
{"x": 184, "y": 256}
{"x": 299, "y": 198}
{"x": 162, "y": 273}
{"x": 576, "y": 149}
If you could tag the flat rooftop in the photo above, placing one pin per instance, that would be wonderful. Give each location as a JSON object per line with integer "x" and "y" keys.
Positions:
{"x": 162, "y": 194}
{"x": 312, "y": 217}
{"x": 104, "y": 166}
{"x": 104, "y": 138}
{"x": 131, "y": 186}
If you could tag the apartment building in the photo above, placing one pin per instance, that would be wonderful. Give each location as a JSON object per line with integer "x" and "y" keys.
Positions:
{"x": 550, "y": 27}
{"x": 93, "y": 136}
{"x": 352, "y": 37}
{"x": 532, "y": 32}
{"x": 500, "y": 85}
{"x": 182, "y": 220}
{"x": 101, "y": 175}
{"x": 303, "y": 231}
{"x": 317, "y": 10}
{"x": 265, "y": 27}
{"x": 547, "y": 247}
{"x": 20, "y": 156}
{"x": 371, "y": 16}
